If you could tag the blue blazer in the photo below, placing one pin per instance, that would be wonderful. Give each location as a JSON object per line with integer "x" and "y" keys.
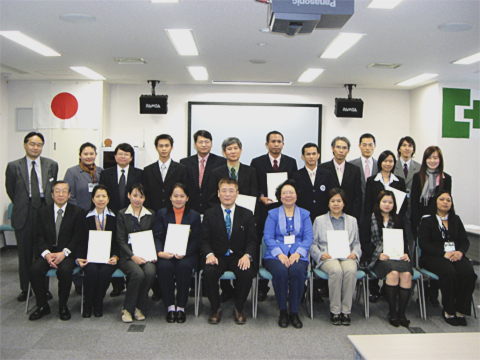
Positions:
{"x": 274, "y": 239}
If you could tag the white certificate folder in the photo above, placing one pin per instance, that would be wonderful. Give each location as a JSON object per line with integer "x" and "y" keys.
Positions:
{"x": 399, "y": 197}
{"x": 337, "y": 242}
{"x": 143, "y": 245}
{"x": 177, "y": 239}
{"x": 99, "y": 243}
{"x": 247, "y": 202}
{"x": 273, "y": 181}
{"x": 393, "y": 243}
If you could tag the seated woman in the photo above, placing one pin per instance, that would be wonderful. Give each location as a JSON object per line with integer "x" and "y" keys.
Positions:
{"x": 175, "y": 268}
{"x": 140, "y": 273}
{"x": 398, "y": 273}
{"x": 444, "y": 243}
{"x": 288, "y": 236}
{"x": 342, "y": 273}
{"x": 97, "y": 276}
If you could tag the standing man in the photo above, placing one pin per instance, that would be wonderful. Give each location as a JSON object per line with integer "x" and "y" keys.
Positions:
{"x": 28, "y": 182}
{"x": 228, "y": 242}
{"x": 118, "y": 180}
{"x": 272, "y": 162}
{"x": 199, "y": 168}
{"x": 58, "y": 231}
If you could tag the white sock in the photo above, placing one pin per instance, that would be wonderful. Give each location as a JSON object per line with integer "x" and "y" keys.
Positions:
{"x": 180, "y": 309}
{"x": 171, "y": 308}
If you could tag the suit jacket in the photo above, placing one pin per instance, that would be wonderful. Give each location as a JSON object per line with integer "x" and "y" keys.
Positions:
{"x": 17, "y": 186}
{"x": 198, "y": 197}
{"x": 78, "y": 180}
{"x": 247, "y": 182}
{"x": 398, "y": 171}
{"x": 374, "y": 188}
{"x": 313, "y": 197}
{"x": 70, "y": 230}
{"x": 109, "y": 178}
{"x": 243, "y": 238}
{"x": 351, "y": 184}
{"x": 89, "y": 224}
{"x": 158, "y": 191}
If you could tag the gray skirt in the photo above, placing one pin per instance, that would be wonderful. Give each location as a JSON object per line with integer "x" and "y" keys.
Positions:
{"x": 383, "y": 268}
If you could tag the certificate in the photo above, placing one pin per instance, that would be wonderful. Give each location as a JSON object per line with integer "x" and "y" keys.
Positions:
{"x": 399, "y": 197}
{"x": 337, "y": 244}
{"x": 273, "y": 181}
{"x": 143, "y": 245}
{"x": 393, "y": 243}
{"x": 99, "y": 243}
{"x": 177, "y": 239}
{"x": 247, "y": 202}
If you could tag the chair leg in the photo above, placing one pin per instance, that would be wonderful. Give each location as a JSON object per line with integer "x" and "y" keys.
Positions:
{"x": 195, "y": 275}
{"x": 253, "y": 297}
{"x": 422, "y": 291}
{"x": 199, "y": 300}
{"x": 311, "y": 296}
{"x": 364, "y": 298}
{"x": 81, "y": 300}
{"x": 367, "y": 295}
{"x": 28, "y": 298}
{"x": 474, "y": 307}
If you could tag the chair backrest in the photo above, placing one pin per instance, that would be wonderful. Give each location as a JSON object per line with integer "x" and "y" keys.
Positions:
{"x": 264, "y": 248}
{"x": 10, "y": 208}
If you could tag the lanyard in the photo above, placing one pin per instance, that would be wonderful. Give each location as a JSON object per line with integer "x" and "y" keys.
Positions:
{"x": 101, "y": 223}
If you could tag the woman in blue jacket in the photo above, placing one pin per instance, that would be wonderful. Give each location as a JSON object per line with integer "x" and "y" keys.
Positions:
{"x": 288, "y": 236}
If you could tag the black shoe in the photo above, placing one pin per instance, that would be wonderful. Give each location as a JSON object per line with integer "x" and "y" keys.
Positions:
{"x": 49, "y": 295}
{"x": 78, "y": 289}
{"x": 461, "y": 320}
{"x": 317, "y": 297}
{"x": 225, "y": 296}
{"x": 283, "y": 321}
{"x": 87, "y": 312}
{"x": 181, "y": 317}
{"x": 373, "y": 298}
{"x": 434, "y": 301}
{"x": 404, "y": 322}
{"x": 345, "y": 319}
{"x": 450, "y": 320}
{"x": 115, "y": 292}
{"x": 39, "y": 312}
{"x": 98, "y": 313}
{"x": 23, "y": 296}
{"x": 191, "y": 293}
{"x": 171, "y": 317}
{"x": 156, "y": 297}
{"x": 335, "y": 319}
{"x": 394, "y": 320}
{"x": 295, "y": 320}
{"x": 64, "y": 313}
{"x": 262, "y": 296}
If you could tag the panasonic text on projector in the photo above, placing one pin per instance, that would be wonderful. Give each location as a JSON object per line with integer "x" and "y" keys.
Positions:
{"x": 332, "y": 3}
{"x": 153, "y": 104}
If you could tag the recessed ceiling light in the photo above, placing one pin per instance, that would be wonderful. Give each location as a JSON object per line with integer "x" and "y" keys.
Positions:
{"x": 262, "y": 44}
{"x": 340, "y": 44}
{"x": 417, "y": 79}
{"x": 183, "y": 41}
{"x": 251, "y": 82}
{"x": 383, "y": 4}
{"x": 383, "y": 66}
{"x": 129, "y": 61}
{"x": 264, "y": 30}
{"x": 87, "y": 72}
{"x": 468, "y": 60}
{"x": 455, "y": 27}
{"x": 309, "y": 75}
{"x": 258, "y": 62}
{"x": 198, "y": 72}
{"x": 77, "y": 18}
{"x": 30, "y": 43}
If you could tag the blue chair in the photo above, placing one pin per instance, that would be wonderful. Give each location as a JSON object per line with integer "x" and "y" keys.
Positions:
{"x": 7, "y": 227}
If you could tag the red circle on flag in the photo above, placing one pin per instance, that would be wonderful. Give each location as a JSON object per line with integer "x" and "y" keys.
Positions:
{"x": 64, "y": 106}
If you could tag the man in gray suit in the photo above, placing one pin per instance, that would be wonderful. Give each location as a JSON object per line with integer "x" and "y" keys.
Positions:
{"x": 29, "y": 183}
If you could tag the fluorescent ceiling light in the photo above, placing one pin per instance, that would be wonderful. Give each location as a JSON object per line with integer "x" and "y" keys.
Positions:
{"x": 251, "y": 82}
{"x": 309, "y": 75}
{"x": 468, "y": 60}
{"x": 417, "y": 79}
{"x": 183, "y": 41}
{"x": 30, "y": 43}
{"x": 383, "y": 4}
{"x": 87, "y": 72}
{"x": 198, "y": 72}
{"x": 340, "y": 44}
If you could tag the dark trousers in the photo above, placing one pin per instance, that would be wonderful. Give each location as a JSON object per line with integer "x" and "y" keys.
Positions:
{"x": 288, "y": 283}
{"x": 24, "y": 238}
{"x": 179, "y": 271}
{"x": 39, "y": 270}
{"x": 212, "y": 273}
{"x": 457, "y": 283}
{"x": 140, "y": 279}
{"x": 95, "y": 283}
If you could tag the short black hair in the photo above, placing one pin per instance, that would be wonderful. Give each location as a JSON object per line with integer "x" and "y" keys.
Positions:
{"x": 32, "y": 134}
{"x": 337, "y": 191}
{"x": 409, "y": 140}
{"x": 230, "y": 141}
{"x": 278, "y": 191}
{"x": 139, "y": 186}
{"x": 342, "y": 138}
{"x": 309, "y": 145}
{"x": 124, "y": 147}
{"x": 87, "y": 144}
{"x": 163, "y": 137}
{"x": 178, "y": 185}
{"x": 94, "y": 191}
{"x": 367, "y": 136}
{"x": 202, "y": 133}
{"x": 227, "y": 180}
{"x": 55, "y": 183}
{"x": 274, "y": 132}
{"x": 382, "y": 158}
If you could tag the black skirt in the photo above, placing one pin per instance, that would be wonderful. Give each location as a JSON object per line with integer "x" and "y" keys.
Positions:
{"x": 383, "y": 268}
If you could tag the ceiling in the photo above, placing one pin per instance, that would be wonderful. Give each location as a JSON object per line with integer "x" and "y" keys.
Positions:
{"x": 227, "y": 33}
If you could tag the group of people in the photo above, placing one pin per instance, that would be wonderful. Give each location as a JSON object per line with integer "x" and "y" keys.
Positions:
{"x": 53, "y": 220}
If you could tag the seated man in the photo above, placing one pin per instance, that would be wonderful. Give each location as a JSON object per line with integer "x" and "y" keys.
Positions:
{"x": 57, "y": 230}
{"x": 228, "y": 240}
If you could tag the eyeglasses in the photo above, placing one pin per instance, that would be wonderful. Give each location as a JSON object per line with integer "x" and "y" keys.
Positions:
{"x": 204, "y": 142}
{"x": 34, "y": 144}
{"x": 228, "y": 191}
{"x": 63, "y": 191}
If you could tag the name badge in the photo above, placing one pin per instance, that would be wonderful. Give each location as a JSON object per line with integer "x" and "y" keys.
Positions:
{"x": 408, "y": 193}
{"x": 449, "y": 246}
{"x": 91, "y": 187}
{"x": 289, "y": 240}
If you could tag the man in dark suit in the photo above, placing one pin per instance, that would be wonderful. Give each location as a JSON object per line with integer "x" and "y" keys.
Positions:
{"x": 199, "y": 169}
{"x": 345, "y": 176}
{"x": 159, "y": 177}
{"x": 272, "y": 162}
{"x": 28, "y": 182}
{"x": 313, "y": 183}
{"x": 228, "y": 242}
{"x": 57, "y": 232}
{"x": 118, "y": 180}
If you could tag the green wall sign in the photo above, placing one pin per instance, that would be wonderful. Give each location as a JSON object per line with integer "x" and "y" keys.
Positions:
{"x": 458, "y": 129}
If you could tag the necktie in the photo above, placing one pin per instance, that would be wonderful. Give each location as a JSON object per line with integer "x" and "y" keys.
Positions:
{"x": 339, "y": 175}
{"x": 58, "y": 223}
{"x": 34, "y": 188}
{"x": 367, "y": 170}
{"x": 228, "y": 222}
{"x": 312, "y": 178}
{"x": 163, "y": 170}
{"x": 201, "y": 173}
{"x": 121, "y": 189}
{"x": 275, "y": 165}
{"x": 233, "y": 175}
{"x": 405, "y": 170}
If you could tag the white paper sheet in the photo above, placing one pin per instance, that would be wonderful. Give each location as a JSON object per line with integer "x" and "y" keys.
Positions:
{"x": 399, "y": 197}
{"x": 177, "y": 239}
{"x": 471, "y": 227}
{"x": 247, "y": 202}
{"x": 143, "y": 245}
{"x": 393, "y": 243}
{"x": 99, "y": 243}
{"x": 273, "y": 181}
{"x": 337, "y": 242}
